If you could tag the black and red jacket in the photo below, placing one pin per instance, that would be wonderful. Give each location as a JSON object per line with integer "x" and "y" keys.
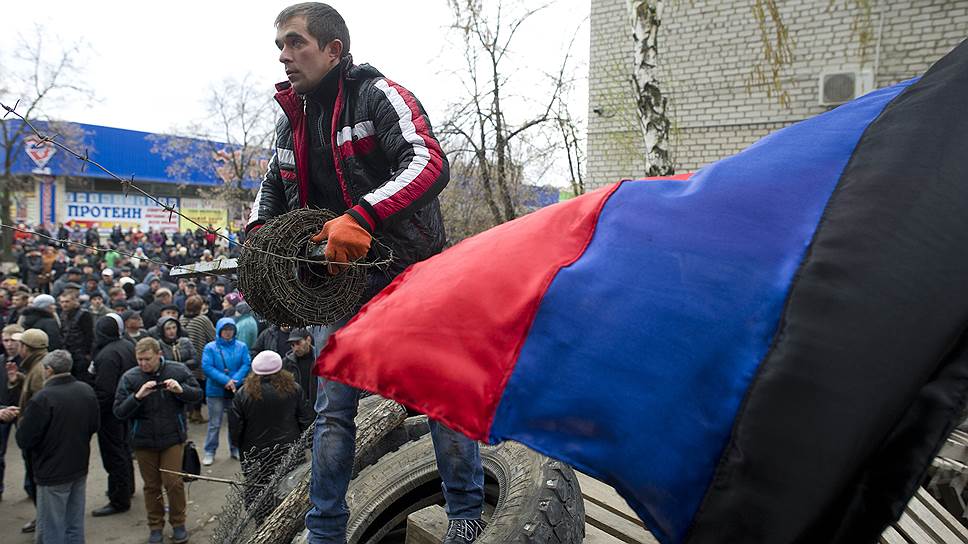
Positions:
{"x": 388, "y": 162}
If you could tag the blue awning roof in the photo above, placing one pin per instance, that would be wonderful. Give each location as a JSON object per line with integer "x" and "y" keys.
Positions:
{"x": 129, "y": 152}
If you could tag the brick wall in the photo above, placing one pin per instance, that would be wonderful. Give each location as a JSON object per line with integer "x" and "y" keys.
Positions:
{"x": 707, "y": 49}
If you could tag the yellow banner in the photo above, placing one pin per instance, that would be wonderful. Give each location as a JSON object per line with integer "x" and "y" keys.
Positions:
{"x": 206, "y": 217}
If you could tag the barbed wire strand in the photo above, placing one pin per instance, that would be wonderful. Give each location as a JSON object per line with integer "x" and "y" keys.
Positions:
{"x": 119, "y": 252}
{"x": 128, "y": 184}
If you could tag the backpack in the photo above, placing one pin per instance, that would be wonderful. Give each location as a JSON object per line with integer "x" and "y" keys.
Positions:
{"x": 190, "y": 462}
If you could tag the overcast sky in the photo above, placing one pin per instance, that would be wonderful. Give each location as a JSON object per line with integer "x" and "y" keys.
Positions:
{"x": 151, "y": 64}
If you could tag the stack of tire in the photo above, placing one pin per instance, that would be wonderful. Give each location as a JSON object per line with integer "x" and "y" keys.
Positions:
{"x": 528, "y": 497}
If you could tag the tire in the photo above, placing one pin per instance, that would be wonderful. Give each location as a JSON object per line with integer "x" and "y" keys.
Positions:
{"x": 529, "y": 497}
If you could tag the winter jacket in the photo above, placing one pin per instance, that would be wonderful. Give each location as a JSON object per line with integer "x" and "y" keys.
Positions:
{"x": 199, "y": 330}
{"x": 302, "y": 369}
{"x": 114, "y": 356}
{"x": 275, "y": 419}
{"x": 389, "y": 164}
{"x": 77, "y": 335}
{"x": 56, "y": 428}
{"x": 272, "y": 339}
{"x": 247, "y": 330}
{"x": 33, "y": 380}
{"x": 36, "y": 318}
{"x": 158, "y": 420}
{"x": 224, "y": 360}
{"x": 180, "y": 349}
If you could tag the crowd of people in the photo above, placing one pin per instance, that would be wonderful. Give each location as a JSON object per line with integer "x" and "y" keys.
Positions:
{"x": 105, "y": 341}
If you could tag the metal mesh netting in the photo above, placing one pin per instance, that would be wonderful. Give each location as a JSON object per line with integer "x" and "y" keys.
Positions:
{"x": 266, "y": 481}
{"x": 300, "y": 292}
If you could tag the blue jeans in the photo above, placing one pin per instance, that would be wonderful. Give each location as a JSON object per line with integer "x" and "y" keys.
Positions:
{"x": 60, "y": 513}
{"x": 458, "y": 460}
{"x": 217, "y": 406}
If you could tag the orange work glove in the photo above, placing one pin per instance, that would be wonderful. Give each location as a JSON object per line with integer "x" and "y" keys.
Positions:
{"x": 346, "y": 241}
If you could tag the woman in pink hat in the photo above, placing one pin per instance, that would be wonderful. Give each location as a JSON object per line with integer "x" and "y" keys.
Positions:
{"x": 268, "y": 413}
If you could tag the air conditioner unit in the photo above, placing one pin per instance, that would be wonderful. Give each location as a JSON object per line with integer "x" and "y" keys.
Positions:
{"x": 837, "y": 87}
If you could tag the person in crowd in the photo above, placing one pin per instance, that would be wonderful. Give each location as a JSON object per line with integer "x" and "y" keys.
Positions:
{"x": 41, "y": 314}
{"x": 119, "y": 306}
{"x": 154, "y": 394}
{"x": 200, "y": 331}
{"x": 29, "y": 381}
{"x": 217, "y": 294}
{"x": 245, "y": 324}
{"x": 133, "y": 326}
{"x": 171, "y": 312}
{"x": 186, "y": 288}
{"x": 72, "y": 275}
{"x": 77, "y": 331}
{"x": 113, "y": 356}
{"x": 153, "y": 311}
{"x": 225, "y": 362}
{"x": 9, "y": 392}
{"x": 55, "y": 432}
{"x": 107, "y": 278}
{"x": 300, "y": 362}
{"x": 175, "y": 345}
{"x": 92, "y": 237}
{"x": 18, "y": 304}
{"x": 273, "y": 338}
{"x": 96, "y": 306}
{"x": 130, "y": 293}
{"x": 268, "y": 414}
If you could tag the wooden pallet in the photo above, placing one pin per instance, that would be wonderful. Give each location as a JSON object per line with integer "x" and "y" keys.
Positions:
{"x": 609, "y": 520}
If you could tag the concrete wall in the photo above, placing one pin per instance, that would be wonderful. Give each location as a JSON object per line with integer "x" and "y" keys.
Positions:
{"x": 707, "y": 49}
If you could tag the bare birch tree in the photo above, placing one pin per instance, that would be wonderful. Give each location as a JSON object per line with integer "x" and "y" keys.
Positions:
{"x": 776, "y": 53}
{"x": 36, "y": 78}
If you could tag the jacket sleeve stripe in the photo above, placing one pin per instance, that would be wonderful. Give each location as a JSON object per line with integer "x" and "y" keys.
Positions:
{"x": 255, "y": 214}
{"x": 426, "y": 162}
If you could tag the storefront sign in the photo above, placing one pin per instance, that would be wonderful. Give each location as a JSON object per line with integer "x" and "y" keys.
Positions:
{"x": 104, "y": 210}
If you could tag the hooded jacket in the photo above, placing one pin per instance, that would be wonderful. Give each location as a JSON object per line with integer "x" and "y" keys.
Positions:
{"x": 113, "y": 356}
{"x": 389, "y": 165}
{"x": 37, "y": 318}
{"x": 180, "y": 349}
{"x": 224, "y": 360}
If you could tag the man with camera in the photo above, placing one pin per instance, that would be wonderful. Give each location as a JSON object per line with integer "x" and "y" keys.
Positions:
{"x": 154, "y": 395}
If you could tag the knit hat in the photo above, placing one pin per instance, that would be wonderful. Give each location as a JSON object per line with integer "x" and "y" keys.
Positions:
{"x": 36, "y": 339}
{"x": 266, "y": 362}
{"x": 43, "y": 301}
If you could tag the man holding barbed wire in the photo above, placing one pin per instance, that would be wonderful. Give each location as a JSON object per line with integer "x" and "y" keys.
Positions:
{"x": 354, "y": 142}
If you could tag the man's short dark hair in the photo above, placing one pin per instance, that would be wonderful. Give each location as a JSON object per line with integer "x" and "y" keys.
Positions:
{"x": 322, "y": 20}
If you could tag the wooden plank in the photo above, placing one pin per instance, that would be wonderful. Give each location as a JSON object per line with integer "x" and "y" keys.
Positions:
{"x": 941, "y": 514}
{"x": 932, "y": 524}
{"x": 427, "y": 526}
{"x": 605, "y": 496}
{"x": 891, "y": 536}
{"x": 594, "y": 535}
{"x": 202, "y": 268}
{"x": 616, "y": 525}
{"x": 912, "y": 530}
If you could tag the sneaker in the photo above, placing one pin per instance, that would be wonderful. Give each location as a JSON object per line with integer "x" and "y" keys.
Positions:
{"x": 464, "y": 531}
{"x": 154, "y": 537}
{"x": 179, "y": 535}
{"x": 208, "y": 459}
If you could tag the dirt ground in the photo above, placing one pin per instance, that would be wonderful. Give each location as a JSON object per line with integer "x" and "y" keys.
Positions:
{"x": 205, "y": 499}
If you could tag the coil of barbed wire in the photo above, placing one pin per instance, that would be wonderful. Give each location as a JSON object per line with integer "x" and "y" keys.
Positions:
{"x": 296, "y": 292}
